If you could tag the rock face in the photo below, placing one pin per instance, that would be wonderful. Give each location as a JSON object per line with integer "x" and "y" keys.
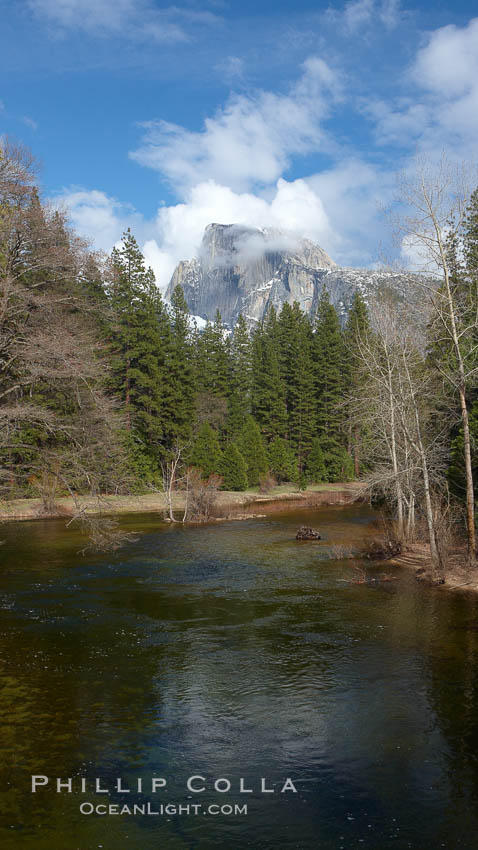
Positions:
{"x": 246, "y": 270}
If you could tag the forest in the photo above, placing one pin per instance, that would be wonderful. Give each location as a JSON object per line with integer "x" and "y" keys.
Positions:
{"x": 105, "y": 388}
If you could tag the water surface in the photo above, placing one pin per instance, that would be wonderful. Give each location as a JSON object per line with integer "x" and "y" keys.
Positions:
{"x": 231, "y": 650}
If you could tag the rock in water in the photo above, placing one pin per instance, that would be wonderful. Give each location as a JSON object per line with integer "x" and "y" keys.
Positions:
{"x": 306, "y": 533}
{"x": 247, "y": 270}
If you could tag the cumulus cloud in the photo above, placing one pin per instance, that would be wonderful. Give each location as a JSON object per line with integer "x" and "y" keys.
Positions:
{"x": 231, "y": 172}
{"x": 350, "y": 192}
{"x": 233, "y": 169}
{"x": 250, "y": 141}
{"x": 176, "y": 232}
{"x": 441, "y": 109}
{"x": 337, "y": 209}
{"x": 131, "y": 19}
{"x": 98, "y": 217}
{"x": 294, "y": 206}
{"x": 448, "y": 64}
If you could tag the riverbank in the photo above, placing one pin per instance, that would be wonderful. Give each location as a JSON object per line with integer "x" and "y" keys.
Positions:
{"x": 457, "y": 574}
{"x": 229, "y": 504}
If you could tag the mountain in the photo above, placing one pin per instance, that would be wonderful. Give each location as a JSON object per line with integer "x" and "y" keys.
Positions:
{"x": 246, "y": 270}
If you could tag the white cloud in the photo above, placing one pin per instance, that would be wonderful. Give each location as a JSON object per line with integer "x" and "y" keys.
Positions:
{"x": 130, "y": 19}
{"x": 250, "y": 141}
{"x": 357, "y": 13}
{"x": 448, "y": 64}
{"x": 231, "y": 69}
{"x": 232, "y": 172}
{"x": 351, "y": 192}
{"x": 389, "y": 13}
{"x": 97, "y": 217}
{"x": 337, "y": 209}
{"x": 401, "y": 123}
{"x": 361, "y": 14}
{"x": 441, "y": 108}
{"x": 294, "y": 206}
{"x": 176, "y": 232}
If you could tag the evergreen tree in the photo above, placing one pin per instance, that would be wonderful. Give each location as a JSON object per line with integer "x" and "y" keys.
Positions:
{"x": 179, "y": 396}
{"x": 234, "y": 470}
{"x": 282, "y": 461}
{"x": 469, "y": 285}
{"x": 206, "y": 452}
{"x": 357, "y": 331}
{"x": 316, "y": 470}
{"x": 268, "y": 395}
{"x": 137, "y": 352}
{"x": 239, "y": 403}
{"x": 328, "y": 354}
{"x": 252, "y": 449}
{"x": 295, "y": 336}
{"x": 464, "y": 281}
{"x": 213, "y": 360}
{"x": 91, "y": 285}
{"x": 470, "y": 237}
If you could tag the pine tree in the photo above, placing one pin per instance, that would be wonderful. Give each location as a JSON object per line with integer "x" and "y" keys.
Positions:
{"x": 239, "y": 403}
{"x": 179, "y": 400}
{"x": 282, "y": 461}
{"x": 268, "y": 395}
{"x": 137, "y": 353}
{"x": 464, "y": 282}
{"x": 328, "y": 354}
{"x": 213, "y": 360}
{"x": 206, "y": 452}
{"x": 470, "y": 238}
{"x": 252, "y": 449}
{"x": 234, "y": 470}
{"x": 295, "y": 337}
{"x": 357, "y": 332}
{"x": 316, "y": 470}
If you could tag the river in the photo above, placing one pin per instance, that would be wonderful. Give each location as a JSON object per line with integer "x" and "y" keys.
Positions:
{"x": 231, "y": 651}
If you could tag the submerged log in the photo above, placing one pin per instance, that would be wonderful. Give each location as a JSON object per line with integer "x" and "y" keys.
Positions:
{"x": 306, "y": 533}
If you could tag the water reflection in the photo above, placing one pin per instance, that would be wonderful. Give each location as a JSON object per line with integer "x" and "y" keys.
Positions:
{"x": 231, "y": 650}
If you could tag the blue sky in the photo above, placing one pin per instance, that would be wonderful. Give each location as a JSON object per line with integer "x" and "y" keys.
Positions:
{"x": 164, "y": 118}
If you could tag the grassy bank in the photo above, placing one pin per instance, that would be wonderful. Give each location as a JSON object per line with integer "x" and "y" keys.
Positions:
{"x": 229, "y": 503}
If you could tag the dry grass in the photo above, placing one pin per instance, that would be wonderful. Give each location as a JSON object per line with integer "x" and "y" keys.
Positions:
{"x": 227, "y": 501}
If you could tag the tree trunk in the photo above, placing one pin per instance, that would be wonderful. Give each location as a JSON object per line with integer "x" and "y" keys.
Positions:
{"x": 470, "y": 495}
{"x": 393, "y": 450}
{"x": 411, "y": 518}
{"x": 356, "y": 453}
{"x": 435, "y": 555}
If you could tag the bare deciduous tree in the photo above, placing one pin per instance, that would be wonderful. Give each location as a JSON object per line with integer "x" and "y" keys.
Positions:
{"x": 396, "y": 403}
{"x": 434, "y": 200}
{"x": 58, "y": 429}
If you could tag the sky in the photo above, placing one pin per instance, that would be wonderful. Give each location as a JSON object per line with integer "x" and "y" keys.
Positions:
{"x": 165, "y": 118}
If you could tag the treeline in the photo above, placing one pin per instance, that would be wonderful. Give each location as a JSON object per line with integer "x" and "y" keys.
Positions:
{"x": 102, "y": 384}
{"x": 240, "y": 405}
{"x": 105, "y": 388}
